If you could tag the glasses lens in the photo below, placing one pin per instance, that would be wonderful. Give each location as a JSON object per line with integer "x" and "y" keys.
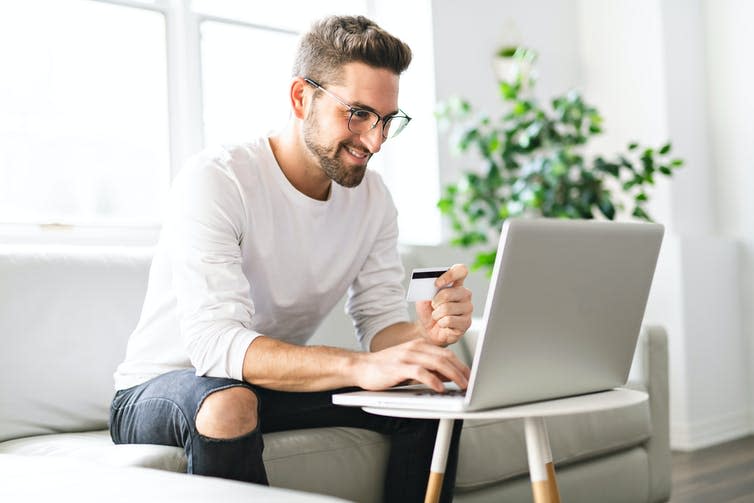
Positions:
{"x": 394, "y": 125}
{"x": 362, "y": 121}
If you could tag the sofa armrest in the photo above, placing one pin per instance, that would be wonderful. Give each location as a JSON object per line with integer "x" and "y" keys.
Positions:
{"x": 651, "y": 369}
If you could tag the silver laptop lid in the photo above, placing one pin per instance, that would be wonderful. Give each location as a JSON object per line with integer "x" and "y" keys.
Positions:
{"x": 564, "y": 309}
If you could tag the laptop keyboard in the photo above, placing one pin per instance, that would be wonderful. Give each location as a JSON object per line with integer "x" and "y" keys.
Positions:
{"x": 450, "y": 392}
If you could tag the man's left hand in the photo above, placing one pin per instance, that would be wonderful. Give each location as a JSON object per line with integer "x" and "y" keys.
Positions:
{"x": 447, "y": 317}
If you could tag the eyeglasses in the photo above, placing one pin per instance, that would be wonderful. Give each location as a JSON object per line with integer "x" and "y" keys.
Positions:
{"x": 361, "y": 121}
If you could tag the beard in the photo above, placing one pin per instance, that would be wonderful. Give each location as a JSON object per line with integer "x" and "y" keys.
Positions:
{"x": 329, "y": 157}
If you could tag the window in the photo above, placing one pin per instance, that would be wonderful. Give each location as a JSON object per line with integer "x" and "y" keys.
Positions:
{"x": 84, "y": 122}
{"x": 103, "y": 100}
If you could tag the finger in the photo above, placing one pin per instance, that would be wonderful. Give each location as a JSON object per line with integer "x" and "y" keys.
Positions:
{"x": 422, "y": 346}
{"x": 461, "y": 366}
{"x": 427, "y": 354}
{"x": 448, "y": 336}
{"x": 427, "y": 378}
{"x": 445, "y": 363}
{"x": 454, "y": 294}
{"x": 424, "y": 311}
{"x": 455, "y": 322}
{"x": 452, "y": 358}
{"x": 452, "y": 309}
{"x": 451, "y": 373}
{"x": 453, "y": 276}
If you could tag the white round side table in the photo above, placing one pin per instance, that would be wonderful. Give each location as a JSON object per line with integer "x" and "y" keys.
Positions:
{"x": 541, "y": 469}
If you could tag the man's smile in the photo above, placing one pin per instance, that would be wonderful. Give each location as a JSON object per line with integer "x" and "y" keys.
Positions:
{"x": 357, "y": 153}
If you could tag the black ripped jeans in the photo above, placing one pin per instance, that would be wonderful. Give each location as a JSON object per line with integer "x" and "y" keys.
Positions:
{"x": 162, "y": 411}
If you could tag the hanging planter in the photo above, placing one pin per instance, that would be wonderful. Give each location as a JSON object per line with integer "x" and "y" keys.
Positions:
{"x": 514, "y": 64}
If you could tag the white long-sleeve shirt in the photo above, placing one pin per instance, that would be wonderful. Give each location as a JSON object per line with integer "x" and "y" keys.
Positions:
{"x": 242, "y": 253}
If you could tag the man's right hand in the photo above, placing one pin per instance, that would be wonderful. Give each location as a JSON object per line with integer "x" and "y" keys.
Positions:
{"x": 416, "y": 360}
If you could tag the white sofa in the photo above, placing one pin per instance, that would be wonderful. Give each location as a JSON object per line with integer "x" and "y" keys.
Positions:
{"x": 65, "y": 316}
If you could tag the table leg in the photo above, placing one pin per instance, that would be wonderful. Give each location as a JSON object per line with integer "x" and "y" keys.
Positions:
{"x": 544, "y": 486}
{"x": 439, "y": 460}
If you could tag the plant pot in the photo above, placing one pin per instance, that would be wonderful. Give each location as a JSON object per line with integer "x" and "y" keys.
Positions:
{"x": 511, "y": 69}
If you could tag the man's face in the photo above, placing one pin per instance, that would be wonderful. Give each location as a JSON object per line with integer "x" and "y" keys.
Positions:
{"x": 341, "y": 154}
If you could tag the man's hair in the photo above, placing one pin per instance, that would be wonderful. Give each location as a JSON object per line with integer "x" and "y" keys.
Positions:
{"x": 335, "y": 41}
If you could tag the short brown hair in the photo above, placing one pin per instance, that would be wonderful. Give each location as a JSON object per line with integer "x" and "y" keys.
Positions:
{"x": 335, "y": 41}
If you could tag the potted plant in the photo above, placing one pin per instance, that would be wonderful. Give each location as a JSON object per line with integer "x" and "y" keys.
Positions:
{"x": 533, "y": 164}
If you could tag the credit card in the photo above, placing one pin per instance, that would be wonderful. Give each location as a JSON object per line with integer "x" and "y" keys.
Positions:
{"x": 422, "y": 284}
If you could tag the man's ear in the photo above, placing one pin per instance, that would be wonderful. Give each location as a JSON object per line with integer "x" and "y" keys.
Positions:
{"x": 298, "y": 97}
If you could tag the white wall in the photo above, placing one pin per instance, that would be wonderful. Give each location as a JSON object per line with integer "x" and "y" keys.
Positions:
{"x": 730, "y": 80}
{"x": 730, "y": 107}
{"x": 657, "y": 70}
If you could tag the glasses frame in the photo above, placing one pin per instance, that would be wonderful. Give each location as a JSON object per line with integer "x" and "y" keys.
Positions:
{"x": 352, "y": 110}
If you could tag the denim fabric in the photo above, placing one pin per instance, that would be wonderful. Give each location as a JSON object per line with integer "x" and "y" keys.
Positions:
{"x": 162, "y": 411}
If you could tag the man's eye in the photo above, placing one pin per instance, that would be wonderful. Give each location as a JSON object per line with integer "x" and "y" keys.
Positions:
{"x": 362, "y": 115}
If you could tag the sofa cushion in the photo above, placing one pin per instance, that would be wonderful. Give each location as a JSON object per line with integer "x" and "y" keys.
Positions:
{"x": 65, "y": 317}
{"x": 52, "y": 479}
{"x": 96, "y": 446}
{"x": 345, "y": 462}
{"x": 621, "y": 477}
{"x": 572, "y": 438}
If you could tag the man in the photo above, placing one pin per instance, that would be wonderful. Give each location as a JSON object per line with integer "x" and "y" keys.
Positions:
{"x": 257, "y": 247}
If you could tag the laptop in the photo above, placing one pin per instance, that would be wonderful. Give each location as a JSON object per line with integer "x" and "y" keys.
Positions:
{"x": 563, "y": 313}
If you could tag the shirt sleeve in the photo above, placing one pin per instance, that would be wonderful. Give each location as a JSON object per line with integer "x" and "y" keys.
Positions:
{"x": 376, "y": 298}
{"x": 206, "y": 220}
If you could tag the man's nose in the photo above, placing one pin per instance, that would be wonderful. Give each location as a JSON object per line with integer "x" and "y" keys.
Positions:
{"x": 373, "y": 139}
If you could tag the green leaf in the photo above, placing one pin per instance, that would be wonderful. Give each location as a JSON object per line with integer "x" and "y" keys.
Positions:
{"x": 641, "y": 196}
{"x": 607, "y": 208}
{"x": 534, "y": 129}
{"x": 524, "y": 141}
{"x": 649, "y": 165}
{"x": 484, "y": 260}
{"x": 520, "y": 108}
{"x": 608, "y": 167}
{"x": 595, "y": 129}
{"x": 665, "y": 149}
{"x": 676, "y": 163}
{"x": 666, "y": 170}
{"x": 493, "y": 145}
{"x": 445, "y": 205}
{"x": 507, "y": 51}
{"x": 640, "y": 213}
{"x": 508, "y": 90}
{"x": 558, "y": 169}
{"x": 467, "y": 139}
{"x": 472, "y": 238}
{"x": 626, "y": 163}
{"x": 633, "y": 146}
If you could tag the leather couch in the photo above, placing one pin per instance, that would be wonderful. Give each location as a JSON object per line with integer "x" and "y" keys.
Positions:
{"x": 66, "y": 313}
